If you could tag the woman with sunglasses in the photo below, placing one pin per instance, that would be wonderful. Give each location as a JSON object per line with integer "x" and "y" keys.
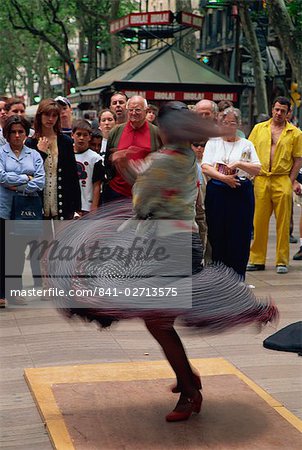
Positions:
{"x": 230, "y": 162}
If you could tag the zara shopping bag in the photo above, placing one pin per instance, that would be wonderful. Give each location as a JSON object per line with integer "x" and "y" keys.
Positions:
{"x": 26, "y": 215}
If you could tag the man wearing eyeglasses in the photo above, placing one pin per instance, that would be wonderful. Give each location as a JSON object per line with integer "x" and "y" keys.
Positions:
{"x": 136, "y": 134}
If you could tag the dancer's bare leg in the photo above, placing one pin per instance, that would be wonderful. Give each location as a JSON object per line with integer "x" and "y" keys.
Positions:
{"x": 164, "y": 332}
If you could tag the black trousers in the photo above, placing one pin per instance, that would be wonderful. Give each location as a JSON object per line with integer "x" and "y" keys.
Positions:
{"x": 2, "y": 258}
{"x": 12, "y": 257}
{"x": 108, "y": 194}
{"x": 229, "y": 214}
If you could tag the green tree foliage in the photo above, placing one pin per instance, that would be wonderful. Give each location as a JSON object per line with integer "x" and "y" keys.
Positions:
{"x": 47, "y": 21}
{"x": 93, "y": 18}
{"x": 294, "y": 8}
{"x": 60, "y": 25}
{"x": 22, "y": 61}
{"x": 286, "y": 19}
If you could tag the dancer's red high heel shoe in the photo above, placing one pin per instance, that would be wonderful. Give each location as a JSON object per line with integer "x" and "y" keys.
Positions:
{"x": 197, "y": 384}
{"x": 185, "y": 408}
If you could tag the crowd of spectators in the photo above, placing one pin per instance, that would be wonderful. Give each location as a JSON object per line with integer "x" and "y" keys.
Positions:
{"x": 241, "y": 181}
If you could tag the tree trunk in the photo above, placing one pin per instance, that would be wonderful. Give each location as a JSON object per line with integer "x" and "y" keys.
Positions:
{"x": 48, "y": 84}
{"x": 90, "y": 66}
{"x": 81, "y": 50}
{"x": 115, "y": 46}
{"x": 285, "y": 30}
{"x": 254, "y": 49}
{"x": 72, "y": 71}
{"x": 29, "y": 85}
{"x": 115, "y": 53}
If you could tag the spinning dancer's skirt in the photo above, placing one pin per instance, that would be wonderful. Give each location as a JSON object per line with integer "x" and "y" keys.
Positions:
{"x": 109, "y": 267}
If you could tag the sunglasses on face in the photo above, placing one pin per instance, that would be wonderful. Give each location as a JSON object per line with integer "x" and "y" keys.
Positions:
{"x": 198, "y": 144}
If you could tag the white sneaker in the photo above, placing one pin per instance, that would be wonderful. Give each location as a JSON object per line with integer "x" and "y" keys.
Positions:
{"x": 282, "y": 269}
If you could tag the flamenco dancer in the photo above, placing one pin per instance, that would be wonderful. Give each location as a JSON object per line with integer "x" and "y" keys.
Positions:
{"x": 164, "y": 191}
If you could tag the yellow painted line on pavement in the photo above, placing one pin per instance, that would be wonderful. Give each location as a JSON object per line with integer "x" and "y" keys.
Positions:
{"x": 40, "y": 381}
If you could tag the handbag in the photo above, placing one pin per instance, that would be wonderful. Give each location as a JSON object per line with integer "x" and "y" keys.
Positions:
{"x": 26, "y": 215}
{"x": 288, "y": 339}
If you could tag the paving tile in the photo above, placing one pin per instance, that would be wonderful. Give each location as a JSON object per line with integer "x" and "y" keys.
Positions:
{"x": 13, "y": 400}
{"x": 6, "y": 314}
{"x": 124, "y": 325}
{"x": 8, "y": 323}
{"x": 297, "y": 412}
{"x": 9, "y": 331}
{"x": 76, "y": 356}
{"x": 295, "y": 283}
{"x": 292, "y": 399}
{"x": 244, "y": 361}
{"x": 22, "y": 417}
{"x": 209, "y": 352}
{"x": 36, "y": 439}
{"x": 285, "y": 385}
{"x": 138, "y": 345}
{"x": 11, "y": 340}
{"x": 40, "y": 329}
{"x": 153, "y": 355}
{"x": 280, "y": 371}
{"x": 11, "y": 350}
{"x": 16, "y": 361}
{"x": 39, "y": 321}
{"x": 38, "y": 445}
{"x": 297, "y": 307}
{"x": 36, "y": 312}
{"x": 14, "y": 374}
{"x": 249, "y": 349}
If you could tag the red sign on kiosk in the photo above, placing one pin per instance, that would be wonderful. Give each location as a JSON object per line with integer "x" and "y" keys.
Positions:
{"x": 191, "y": 20}
{"x": 141, "y": 19}
{"x": 183, "y": 96}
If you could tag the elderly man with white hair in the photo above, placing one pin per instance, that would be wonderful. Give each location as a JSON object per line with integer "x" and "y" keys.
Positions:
{"x": 207, "y": 109}
{"x": 136, "y": 134}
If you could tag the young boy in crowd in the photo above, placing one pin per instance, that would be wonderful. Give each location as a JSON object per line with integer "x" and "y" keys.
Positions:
{"x": 86, "y": 159}
{"x": 95, "y": 141}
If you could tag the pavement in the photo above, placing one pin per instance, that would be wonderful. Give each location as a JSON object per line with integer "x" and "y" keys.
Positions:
{"x": 40, "y": 337}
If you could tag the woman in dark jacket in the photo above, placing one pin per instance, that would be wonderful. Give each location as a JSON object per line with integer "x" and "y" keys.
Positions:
{"x": 62, "y": 195}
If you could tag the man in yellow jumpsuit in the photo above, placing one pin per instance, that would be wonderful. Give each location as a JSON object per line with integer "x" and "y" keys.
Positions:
{"x": 279, "y": 148}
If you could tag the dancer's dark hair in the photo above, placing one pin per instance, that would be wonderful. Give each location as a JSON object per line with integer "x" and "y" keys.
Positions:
{"x": 180, "y": 124}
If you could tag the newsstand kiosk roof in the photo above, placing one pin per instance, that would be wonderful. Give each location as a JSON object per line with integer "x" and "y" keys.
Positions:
{"x": 160, "y": 75}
